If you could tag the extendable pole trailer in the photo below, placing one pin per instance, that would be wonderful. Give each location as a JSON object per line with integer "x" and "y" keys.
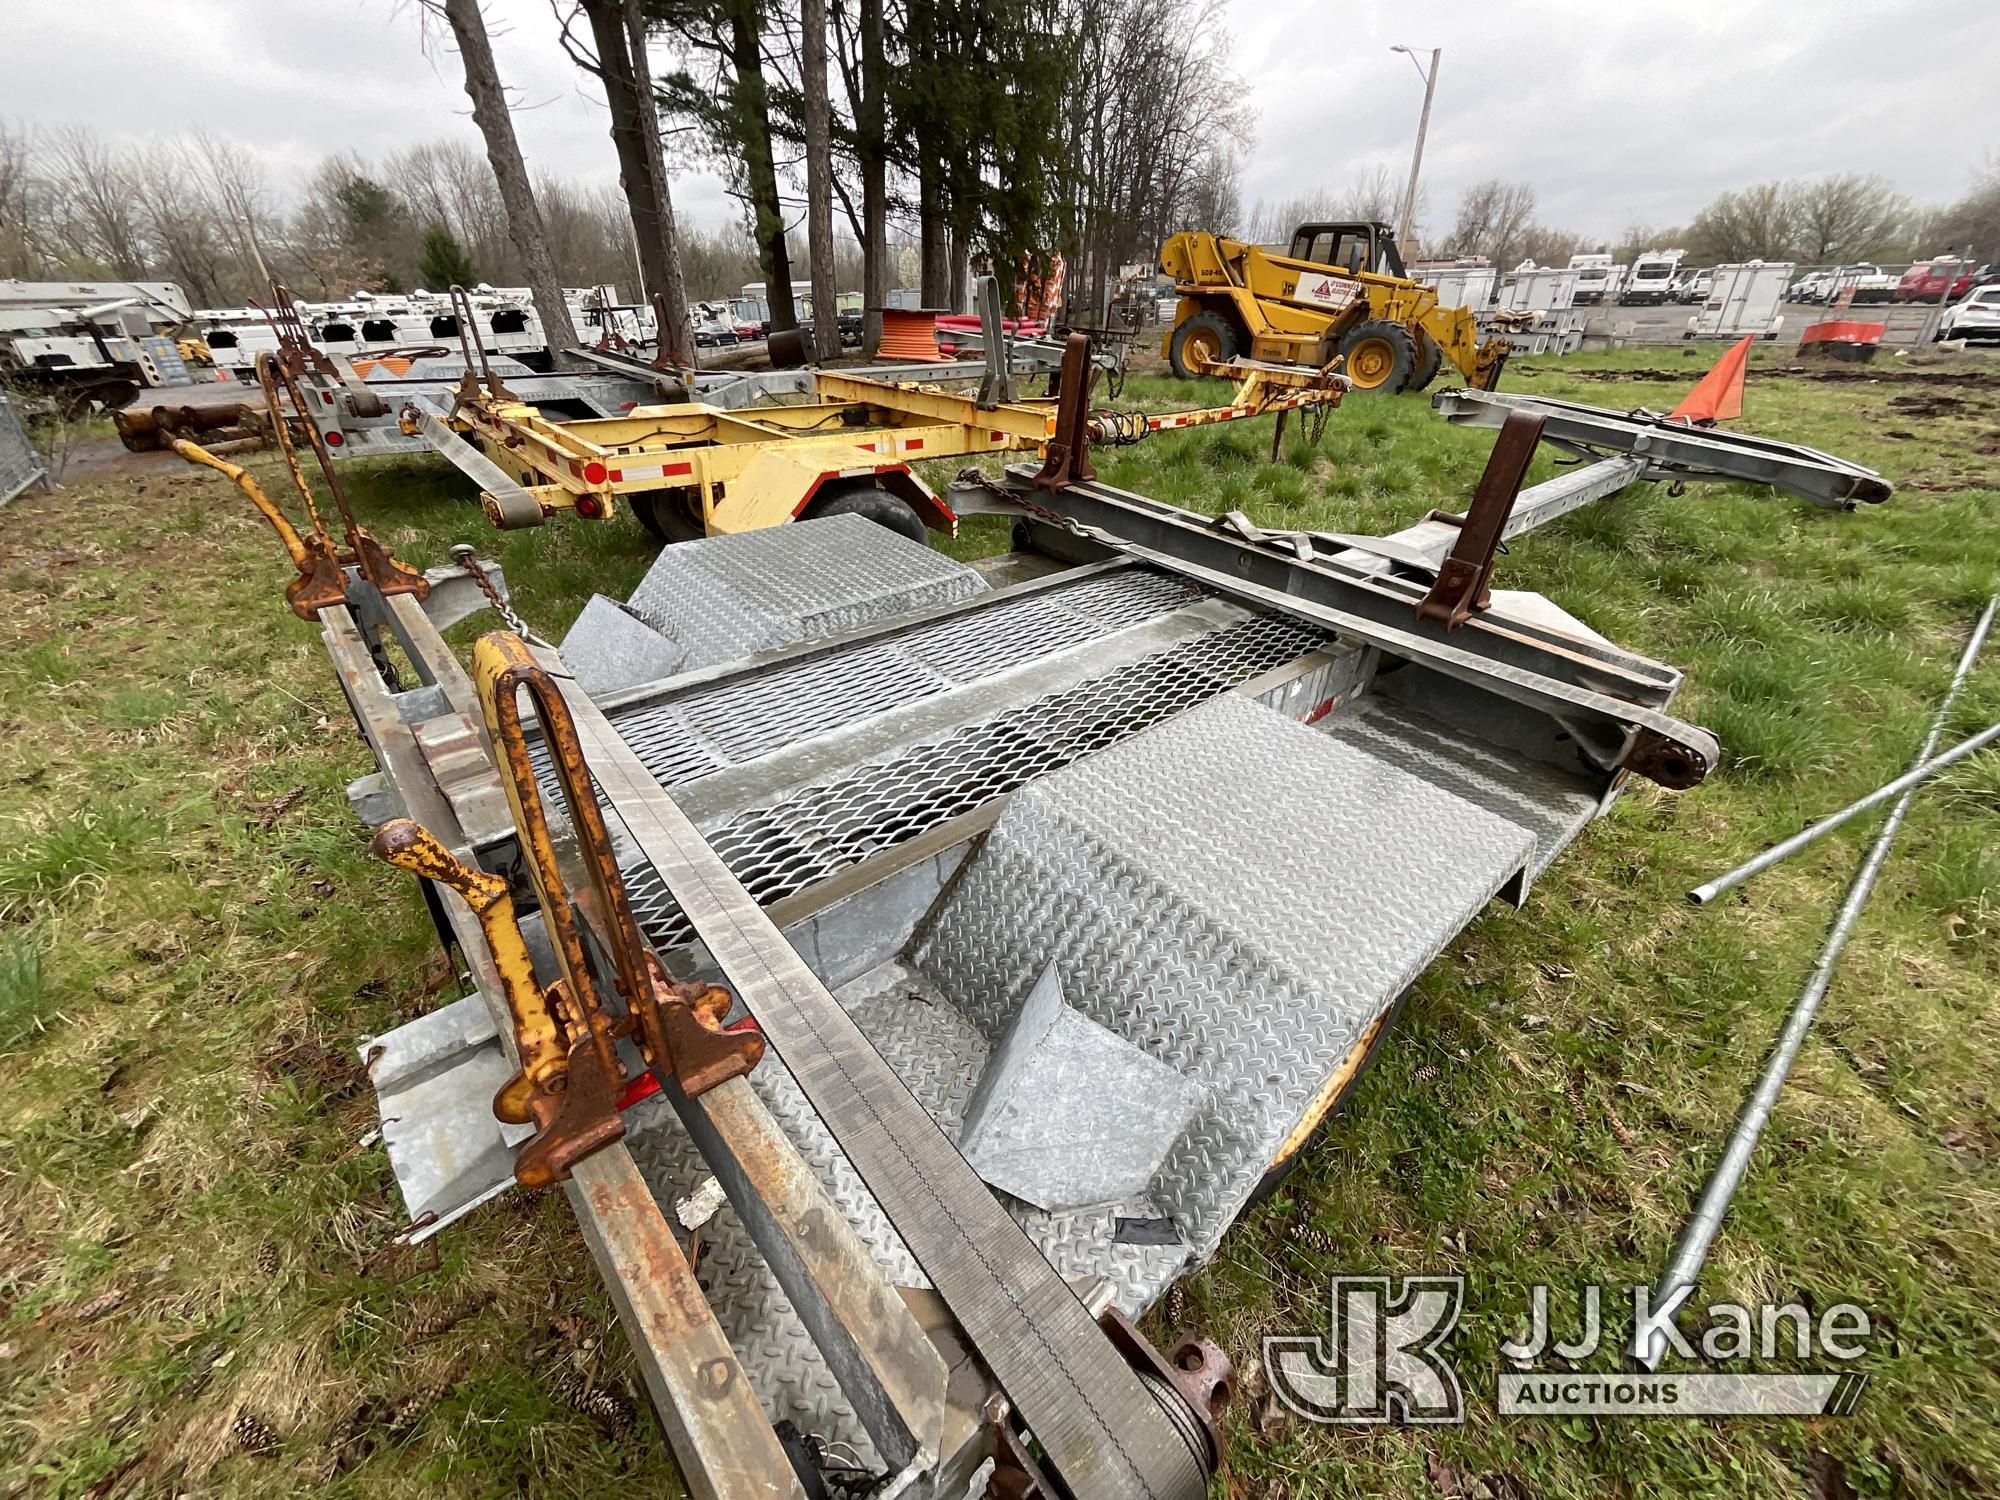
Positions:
{"x": 693, "y": 469}
{"x": 932, "y": 942}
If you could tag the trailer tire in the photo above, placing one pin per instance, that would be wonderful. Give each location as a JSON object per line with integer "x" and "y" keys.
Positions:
{"x": 1430, "y": 359}
{"x": 1360, "y": 1057}
{"x": 1379, "y": 357}
{"x": 862, "y": 497}
{"x": 667, "y": 516}
{"x": 1213, "y": 335}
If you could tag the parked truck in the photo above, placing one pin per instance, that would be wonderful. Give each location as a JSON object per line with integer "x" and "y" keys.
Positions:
{"x": 91, "y": 341}
{"x": 1340, "y": 292}
{"x": 1652, "y": 278}
{"x": 1598, "y": 279}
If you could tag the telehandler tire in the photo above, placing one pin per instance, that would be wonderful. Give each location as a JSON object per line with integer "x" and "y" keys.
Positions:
{"x": 1430, "y": 358}
{"x": 1212, "y": 337}
{"x": 1379, "y": 357}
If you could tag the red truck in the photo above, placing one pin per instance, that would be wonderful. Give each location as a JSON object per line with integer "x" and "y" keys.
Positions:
{"x": 1927, "y": 279}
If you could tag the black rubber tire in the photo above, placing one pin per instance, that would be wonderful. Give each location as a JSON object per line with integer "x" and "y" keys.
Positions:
{"x": 861, "y": 497}
{"x": 1430, "y": 359}
{"x": 1400, "y": 357}
{"x": 1215, "y": 328}
{"x": 666, "y": 516}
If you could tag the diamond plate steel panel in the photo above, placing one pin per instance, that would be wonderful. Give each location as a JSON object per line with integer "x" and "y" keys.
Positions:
{"x": 747, "y": 719}
{"x": 1237, "y": 895}
{"x": 1550, "y": 804}
{"x": 779, "y": 707}
{"x": 938, "y": 1055}
{"x": 726, "y": 597}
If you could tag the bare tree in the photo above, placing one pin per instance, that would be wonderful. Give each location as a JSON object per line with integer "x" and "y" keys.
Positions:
{"x": 618, "y": 34}
{"x": 819, "y": 177}
{"x": 679, "y": 333}
{"x": 1493, "y": 221}
{"x": 22, "y": 250}
{"x": 1973, "y": 220}
{"x": 510, "y": 171}
{"x": 872, "y": 142}
{"x": 237, "y": 183}
{"x": 97, "y": 191}
{"x": 1372, "y": 196}
{"x": 1760, "y": 222}
{"x": 1847, "y": 216}
{"x": 180, "y": 220}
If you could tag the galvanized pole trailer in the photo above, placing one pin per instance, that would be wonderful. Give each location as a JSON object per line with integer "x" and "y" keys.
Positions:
{"x": 929, "y": 935}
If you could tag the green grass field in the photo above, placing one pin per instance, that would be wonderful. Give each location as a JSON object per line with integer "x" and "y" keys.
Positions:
{"x": 194, "y": 1291}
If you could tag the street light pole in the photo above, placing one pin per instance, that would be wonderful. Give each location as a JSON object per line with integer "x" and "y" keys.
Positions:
{"x": 1423, "y": 126}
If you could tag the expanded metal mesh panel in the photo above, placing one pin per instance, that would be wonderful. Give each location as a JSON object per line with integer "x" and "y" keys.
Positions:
{"x": 749, "y": 719}
{"x": 711, "y": 727}
{"x": 819, "y": 830}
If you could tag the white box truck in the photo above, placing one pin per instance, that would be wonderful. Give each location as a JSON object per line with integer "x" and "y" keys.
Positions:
{"x": 1541, "y": 288}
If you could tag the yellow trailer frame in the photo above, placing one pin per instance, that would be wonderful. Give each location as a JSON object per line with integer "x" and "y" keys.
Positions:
{"x": 746, "y": 469}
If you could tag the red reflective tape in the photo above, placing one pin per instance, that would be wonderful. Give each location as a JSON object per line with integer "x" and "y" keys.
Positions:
{"x": 913, "y": 445}
{"x": 617, "y": 476}
{"x": 676, "y": 469}
{"x": 642, "y": 1087}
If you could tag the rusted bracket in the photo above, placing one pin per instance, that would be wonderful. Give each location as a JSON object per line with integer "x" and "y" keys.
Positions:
{"x": 570, "y": 1075}
{"x": 1068, "y": 458}
{"x": 475, "y": 352}
{"x": 1465, "y": 581}
{"x": 296, "y": 349}
{"x": 320, "y": 582}
{"x": 375, "y": 562}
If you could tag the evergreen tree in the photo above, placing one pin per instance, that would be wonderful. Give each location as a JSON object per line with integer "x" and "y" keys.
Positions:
{"x": 442, "y": 262}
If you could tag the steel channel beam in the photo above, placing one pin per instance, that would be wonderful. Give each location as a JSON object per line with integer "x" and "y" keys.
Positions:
{"x": 883, "y": 1362}
{"x": 1672, "y": 450}
{"x": 473, "y": 464}
{"x": 754, "y": 782}
{"x": 1178, "y": 540}
{"x": 723, "y": 1441}
{"x": 1500, "y": 655}
{"x": 1427, "y": 543}
{"x": 787, "y": 657}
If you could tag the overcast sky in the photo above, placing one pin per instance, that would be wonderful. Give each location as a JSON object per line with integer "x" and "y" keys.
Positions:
{"x": 1615, "y": 112}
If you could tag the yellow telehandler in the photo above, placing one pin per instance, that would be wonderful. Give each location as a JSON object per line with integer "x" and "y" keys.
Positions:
{"x": 1340, "y": 292}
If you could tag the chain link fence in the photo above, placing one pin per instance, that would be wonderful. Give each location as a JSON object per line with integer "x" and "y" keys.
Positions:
{"x": 20, "y": 463}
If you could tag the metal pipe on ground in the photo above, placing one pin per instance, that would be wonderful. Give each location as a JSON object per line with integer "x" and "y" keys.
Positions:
{"x": 1927, "y": 766}
{"x": 1691, "y": 1250}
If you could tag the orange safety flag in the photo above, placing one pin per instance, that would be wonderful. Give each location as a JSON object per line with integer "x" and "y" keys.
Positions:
{"x": 1718, "y": 395}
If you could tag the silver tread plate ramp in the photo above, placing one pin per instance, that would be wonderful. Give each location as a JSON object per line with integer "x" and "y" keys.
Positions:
{"x": 727, "y": 597}
{"x": 1103, "y": 1431}
{"x": 1238, "y": 895}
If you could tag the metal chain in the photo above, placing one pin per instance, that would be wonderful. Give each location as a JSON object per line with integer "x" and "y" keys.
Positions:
{"x": 467, "y": 557}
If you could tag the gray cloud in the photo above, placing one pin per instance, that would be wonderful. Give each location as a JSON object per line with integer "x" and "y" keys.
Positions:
{"x": 1614, "y": 112}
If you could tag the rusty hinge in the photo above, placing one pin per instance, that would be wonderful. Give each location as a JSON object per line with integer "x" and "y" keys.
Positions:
{"x": 571, "y": 1076}
{"x": 1465, "y": 581}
